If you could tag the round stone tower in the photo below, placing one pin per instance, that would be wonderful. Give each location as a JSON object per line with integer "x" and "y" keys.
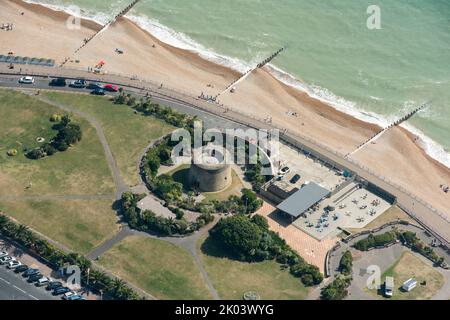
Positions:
{"x": 211, "y": 169}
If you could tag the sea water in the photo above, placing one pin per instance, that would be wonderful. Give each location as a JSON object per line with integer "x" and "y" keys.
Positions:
{"x": 376, "y": 75}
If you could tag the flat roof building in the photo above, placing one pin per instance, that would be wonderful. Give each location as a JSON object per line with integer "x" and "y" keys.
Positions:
{"x": 303, "y": 199}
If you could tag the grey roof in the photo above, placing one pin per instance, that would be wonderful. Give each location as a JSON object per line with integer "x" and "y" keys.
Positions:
{"x": 303, "y": 199}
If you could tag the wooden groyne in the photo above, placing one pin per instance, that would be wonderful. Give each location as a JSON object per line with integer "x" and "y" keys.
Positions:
{"x": 259, "y": 65}
{"x": 123, "y": 12}
{"x": 380, "y": 133}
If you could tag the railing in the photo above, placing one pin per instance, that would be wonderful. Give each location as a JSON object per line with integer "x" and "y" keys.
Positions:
{"x": 232, "y": 114}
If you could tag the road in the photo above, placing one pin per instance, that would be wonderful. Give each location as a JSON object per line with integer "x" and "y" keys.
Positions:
{"x": 14, "y": 287}
{"x": 223, "y": 117}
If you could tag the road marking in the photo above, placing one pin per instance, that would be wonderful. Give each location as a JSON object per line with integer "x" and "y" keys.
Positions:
{"x": 5, "y": 281}
{"x": 33, "y": 297}
{"x": 21, "y": 290}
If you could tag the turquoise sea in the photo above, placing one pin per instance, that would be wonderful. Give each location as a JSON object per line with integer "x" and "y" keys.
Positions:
{"x": 376, "y": 75}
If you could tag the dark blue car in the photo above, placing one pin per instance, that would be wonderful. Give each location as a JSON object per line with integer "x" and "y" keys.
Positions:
{"x": 30, "y": 272}
{"x": 98, "y": 92}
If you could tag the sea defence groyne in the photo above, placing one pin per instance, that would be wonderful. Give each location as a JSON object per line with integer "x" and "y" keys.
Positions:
{"x": 380, "y": 133}
{"x": 249, "y": 71}
{"x": 123, "y": 12}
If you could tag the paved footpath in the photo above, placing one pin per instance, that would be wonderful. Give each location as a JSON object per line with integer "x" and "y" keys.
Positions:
{"x": 384, "y": 258}
{"x": 437, "y": 222}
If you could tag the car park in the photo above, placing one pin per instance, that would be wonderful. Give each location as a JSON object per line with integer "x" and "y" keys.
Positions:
{"x": 30, "y": 272}
{"x": 6, "y": 259}
{"x": 54, "y": 285}
{"x": 26, "y": 80}
{"x": 60, "y": 290}
{"x": 3, "y": 254}
{"x": 13, "y": 264}
{"x": 111, "y": 87}
{"x": 98, "y": 92}
{"x": 94, "y": 85}
{"x": 58, "y": 82}
{"x": 21, "y": 268}
{"x": 78, "y": 84}
{"x": 42, "y": 282}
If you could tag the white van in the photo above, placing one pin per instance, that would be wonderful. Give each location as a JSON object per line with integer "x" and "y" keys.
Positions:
{"x": 389, "y": 286}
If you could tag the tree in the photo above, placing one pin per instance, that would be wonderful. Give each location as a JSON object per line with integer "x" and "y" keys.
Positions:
{"x": 250, "y": 201}
{"x": 35, "y": 154}
{"x": 153, "y": 163}
{"x": 337, "y": 290}
{"x": 260, "y": 221}
{"x": 239, "y": 234}
{"x": 65, "y": 120}
{"x": 70, "y": 134}
{"x": 48, "y": 149}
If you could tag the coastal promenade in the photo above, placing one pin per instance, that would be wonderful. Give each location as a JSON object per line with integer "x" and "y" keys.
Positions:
{"x": 436, "y": 222}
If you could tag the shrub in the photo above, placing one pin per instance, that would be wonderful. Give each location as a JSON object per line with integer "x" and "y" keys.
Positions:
{"x": 35, "y": 154}
{"x": 373, "y": 241}
{"x": 55, "y": 118}
{"x": 337, "y": 290}
{"x": 12, "y": 152}
{"x": 345, "y": 265}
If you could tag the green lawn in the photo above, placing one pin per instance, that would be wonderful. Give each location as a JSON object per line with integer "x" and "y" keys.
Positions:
{"x": 80, "y": 170}
{"x": 233, "y": 278}
{"x": 410, "y": 266}
{"x": 158, "y": 267}
{"x": 127, "y": 133}
{"x": 181, "y": 174}
{"x": 79, "y": 225}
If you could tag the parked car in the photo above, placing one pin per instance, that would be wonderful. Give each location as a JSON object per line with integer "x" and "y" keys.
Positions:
{"x": 60, "y": 290}
{"x": 295, "y": 178}
{"x": 54, "y": 285}
{"x": 21, "y": 268}
{"x": 111, "y": 87}
{"x": 42, "y": 282}
{"x": 285, "y": 171}
{"x": 94, "y": 85}
{"x": 69, "y": 294}
{"x": 3, "y": 254}
{"x": 13, "y": 264}
{"x": 30, "y": 272}
{"x": 78, "y": 84}
{"x": 58, "y": 82}
{"x": 6, "y": 259}
{"x": 98, "y": 92}
{"x": 34, "y": 277}
{"x": 76, "y": 297}
{"x": 26, "y": 80}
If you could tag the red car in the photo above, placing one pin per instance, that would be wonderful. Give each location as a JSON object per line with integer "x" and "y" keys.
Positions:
{"x": 110, "y": 87}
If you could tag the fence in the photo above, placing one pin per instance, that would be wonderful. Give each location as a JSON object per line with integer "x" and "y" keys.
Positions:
{"x": 238, "y": 116}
